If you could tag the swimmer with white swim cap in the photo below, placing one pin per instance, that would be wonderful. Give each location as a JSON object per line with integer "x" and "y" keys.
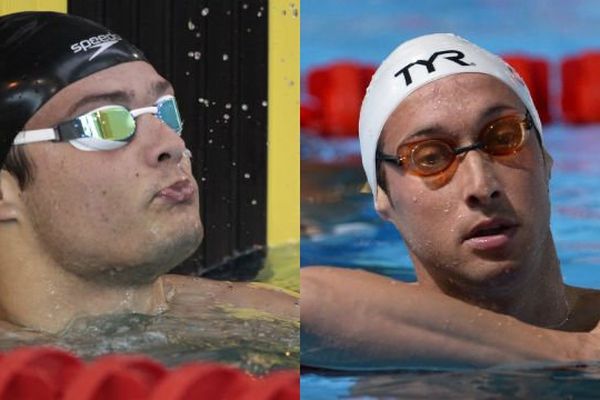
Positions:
{"x": 451, "y": 145}
{"x": 97, "y": 197}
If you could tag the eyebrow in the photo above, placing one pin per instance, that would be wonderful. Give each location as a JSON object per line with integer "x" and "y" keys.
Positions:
{"x": 156, "y": 89}
{"x": 437, "y": 128}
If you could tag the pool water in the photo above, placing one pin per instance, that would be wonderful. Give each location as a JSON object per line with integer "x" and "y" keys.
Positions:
{"x": 256, "y": 341}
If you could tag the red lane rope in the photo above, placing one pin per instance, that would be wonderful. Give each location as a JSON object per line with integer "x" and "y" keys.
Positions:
{"x": 46, "y": 373}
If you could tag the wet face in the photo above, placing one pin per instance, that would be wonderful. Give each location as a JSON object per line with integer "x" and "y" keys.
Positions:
{"x": 124, "y": 215}
{"x": 485, "y": 221}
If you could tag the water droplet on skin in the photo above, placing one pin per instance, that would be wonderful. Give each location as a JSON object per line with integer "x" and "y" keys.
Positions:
{"x": 205, "y": 11}
{"x": 225, "y": 57}
{"x": 191, "y": 25}
{"x": 414, "y": 199}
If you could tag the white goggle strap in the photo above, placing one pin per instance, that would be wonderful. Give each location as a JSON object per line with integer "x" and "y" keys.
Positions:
{"x": 51, "y": 134}
{"x": 36, "y": 135}
{"x": 144, "y": 110}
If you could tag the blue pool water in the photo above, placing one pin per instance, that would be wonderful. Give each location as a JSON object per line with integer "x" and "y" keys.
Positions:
{"x": 344, "y": 229}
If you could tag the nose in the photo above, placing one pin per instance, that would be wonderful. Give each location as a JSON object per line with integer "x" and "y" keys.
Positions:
{"x": 481, "y": 186}
{"x": 161, "y": 144}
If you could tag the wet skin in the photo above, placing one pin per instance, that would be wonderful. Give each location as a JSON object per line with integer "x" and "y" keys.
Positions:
{"x": 94, "y": 231}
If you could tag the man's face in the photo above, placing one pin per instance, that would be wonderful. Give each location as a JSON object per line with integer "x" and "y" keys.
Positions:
{"x": 102, "y": 213}
{"x": 443, "y": 218}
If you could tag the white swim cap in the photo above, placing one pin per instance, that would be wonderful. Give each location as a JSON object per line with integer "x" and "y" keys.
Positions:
{"x": 414, "y": 64}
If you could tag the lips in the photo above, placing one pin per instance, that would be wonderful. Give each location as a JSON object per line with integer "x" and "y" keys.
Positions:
{"x": 491, "y": 234}
{"x": 179, "y": 192}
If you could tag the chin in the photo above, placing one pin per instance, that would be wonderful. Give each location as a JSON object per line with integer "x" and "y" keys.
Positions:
{"x": 489, "y": 274}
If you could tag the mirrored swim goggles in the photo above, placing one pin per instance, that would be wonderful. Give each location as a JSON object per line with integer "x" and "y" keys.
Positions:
{"x": 502, "y": 137}
{"x": 105, "y": 128}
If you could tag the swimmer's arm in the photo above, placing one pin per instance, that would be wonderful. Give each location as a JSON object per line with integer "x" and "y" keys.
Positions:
{"x": 357, "y": 320}
{"x": 208, "y": 292}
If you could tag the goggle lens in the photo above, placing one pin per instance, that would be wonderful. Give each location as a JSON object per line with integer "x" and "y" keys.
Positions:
{"x": 169, "y": 114}
{"x": 115, "y": 123}
{"x": 429, "y": 157}
{"x": 503, "y": 137}
{"x": 432, "y": 156}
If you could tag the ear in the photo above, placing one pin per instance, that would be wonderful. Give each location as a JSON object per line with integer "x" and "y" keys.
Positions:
{"x": 9, "y": 197}
{"x": 382, "y": 204}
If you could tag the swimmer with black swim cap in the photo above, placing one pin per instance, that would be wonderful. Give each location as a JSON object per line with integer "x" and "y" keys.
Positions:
{"x": 452, "y": 148}
{"x": 43, "y": 53}
{"x": 97, "y": 198}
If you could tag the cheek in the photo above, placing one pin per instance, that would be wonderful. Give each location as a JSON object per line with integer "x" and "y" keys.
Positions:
{"x": 423, "y": 217}
{"x": 80, "y": 190}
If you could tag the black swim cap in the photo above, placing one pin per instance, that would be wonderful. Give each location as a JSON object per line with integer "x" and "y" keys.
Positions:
{"x": 43, "y": 52}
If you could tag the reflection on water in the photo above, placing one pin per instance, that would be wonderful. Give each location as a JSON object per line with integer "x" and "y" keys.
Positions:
{"x": 256, "y": 341}
{"x": 553, "y": 381}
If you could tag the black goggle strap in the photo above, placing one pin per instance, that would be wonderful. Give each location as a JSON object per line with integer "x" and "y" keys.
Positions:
{"x": 379, "y": 157}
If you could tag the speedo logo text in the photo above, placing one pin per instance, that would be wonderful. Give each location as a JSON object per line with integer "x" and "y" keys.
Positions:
{"x": 100, "y": 42}
{"x": 450, "y": 55}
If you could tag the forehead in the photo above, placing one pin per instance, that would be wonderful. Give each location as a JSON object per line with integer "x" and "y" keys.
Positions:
{"x": 453, "y": 102}
{"x": 138, "y": 80}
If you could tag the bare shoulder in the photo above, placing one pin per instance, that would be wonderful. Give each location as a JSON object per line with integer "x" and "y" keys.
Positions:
{"x": 208, "y": 292}
{"x": 585, "y": 305}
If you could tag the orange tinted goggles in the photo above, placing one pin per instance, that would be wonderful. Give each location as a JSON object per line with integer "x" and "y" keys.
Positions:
{"x": 501, "y": 137}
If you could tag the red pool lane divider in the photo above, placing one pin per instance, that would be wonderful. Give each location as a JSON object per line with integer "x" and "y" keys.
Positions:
{"x": 336, "y": 92}
{"x": 203, "y": 381}
{"x": 534, "y": 72}
{"x": 45, "y": 373}
{"x": 116, "y": 377}
{"x": 580, "y": 98}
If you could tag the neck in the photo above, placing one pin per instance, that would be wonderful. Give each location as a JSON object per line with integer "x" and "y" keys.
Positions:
{"x": 38, "y": 293}
{"x": 535, "y": 294}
